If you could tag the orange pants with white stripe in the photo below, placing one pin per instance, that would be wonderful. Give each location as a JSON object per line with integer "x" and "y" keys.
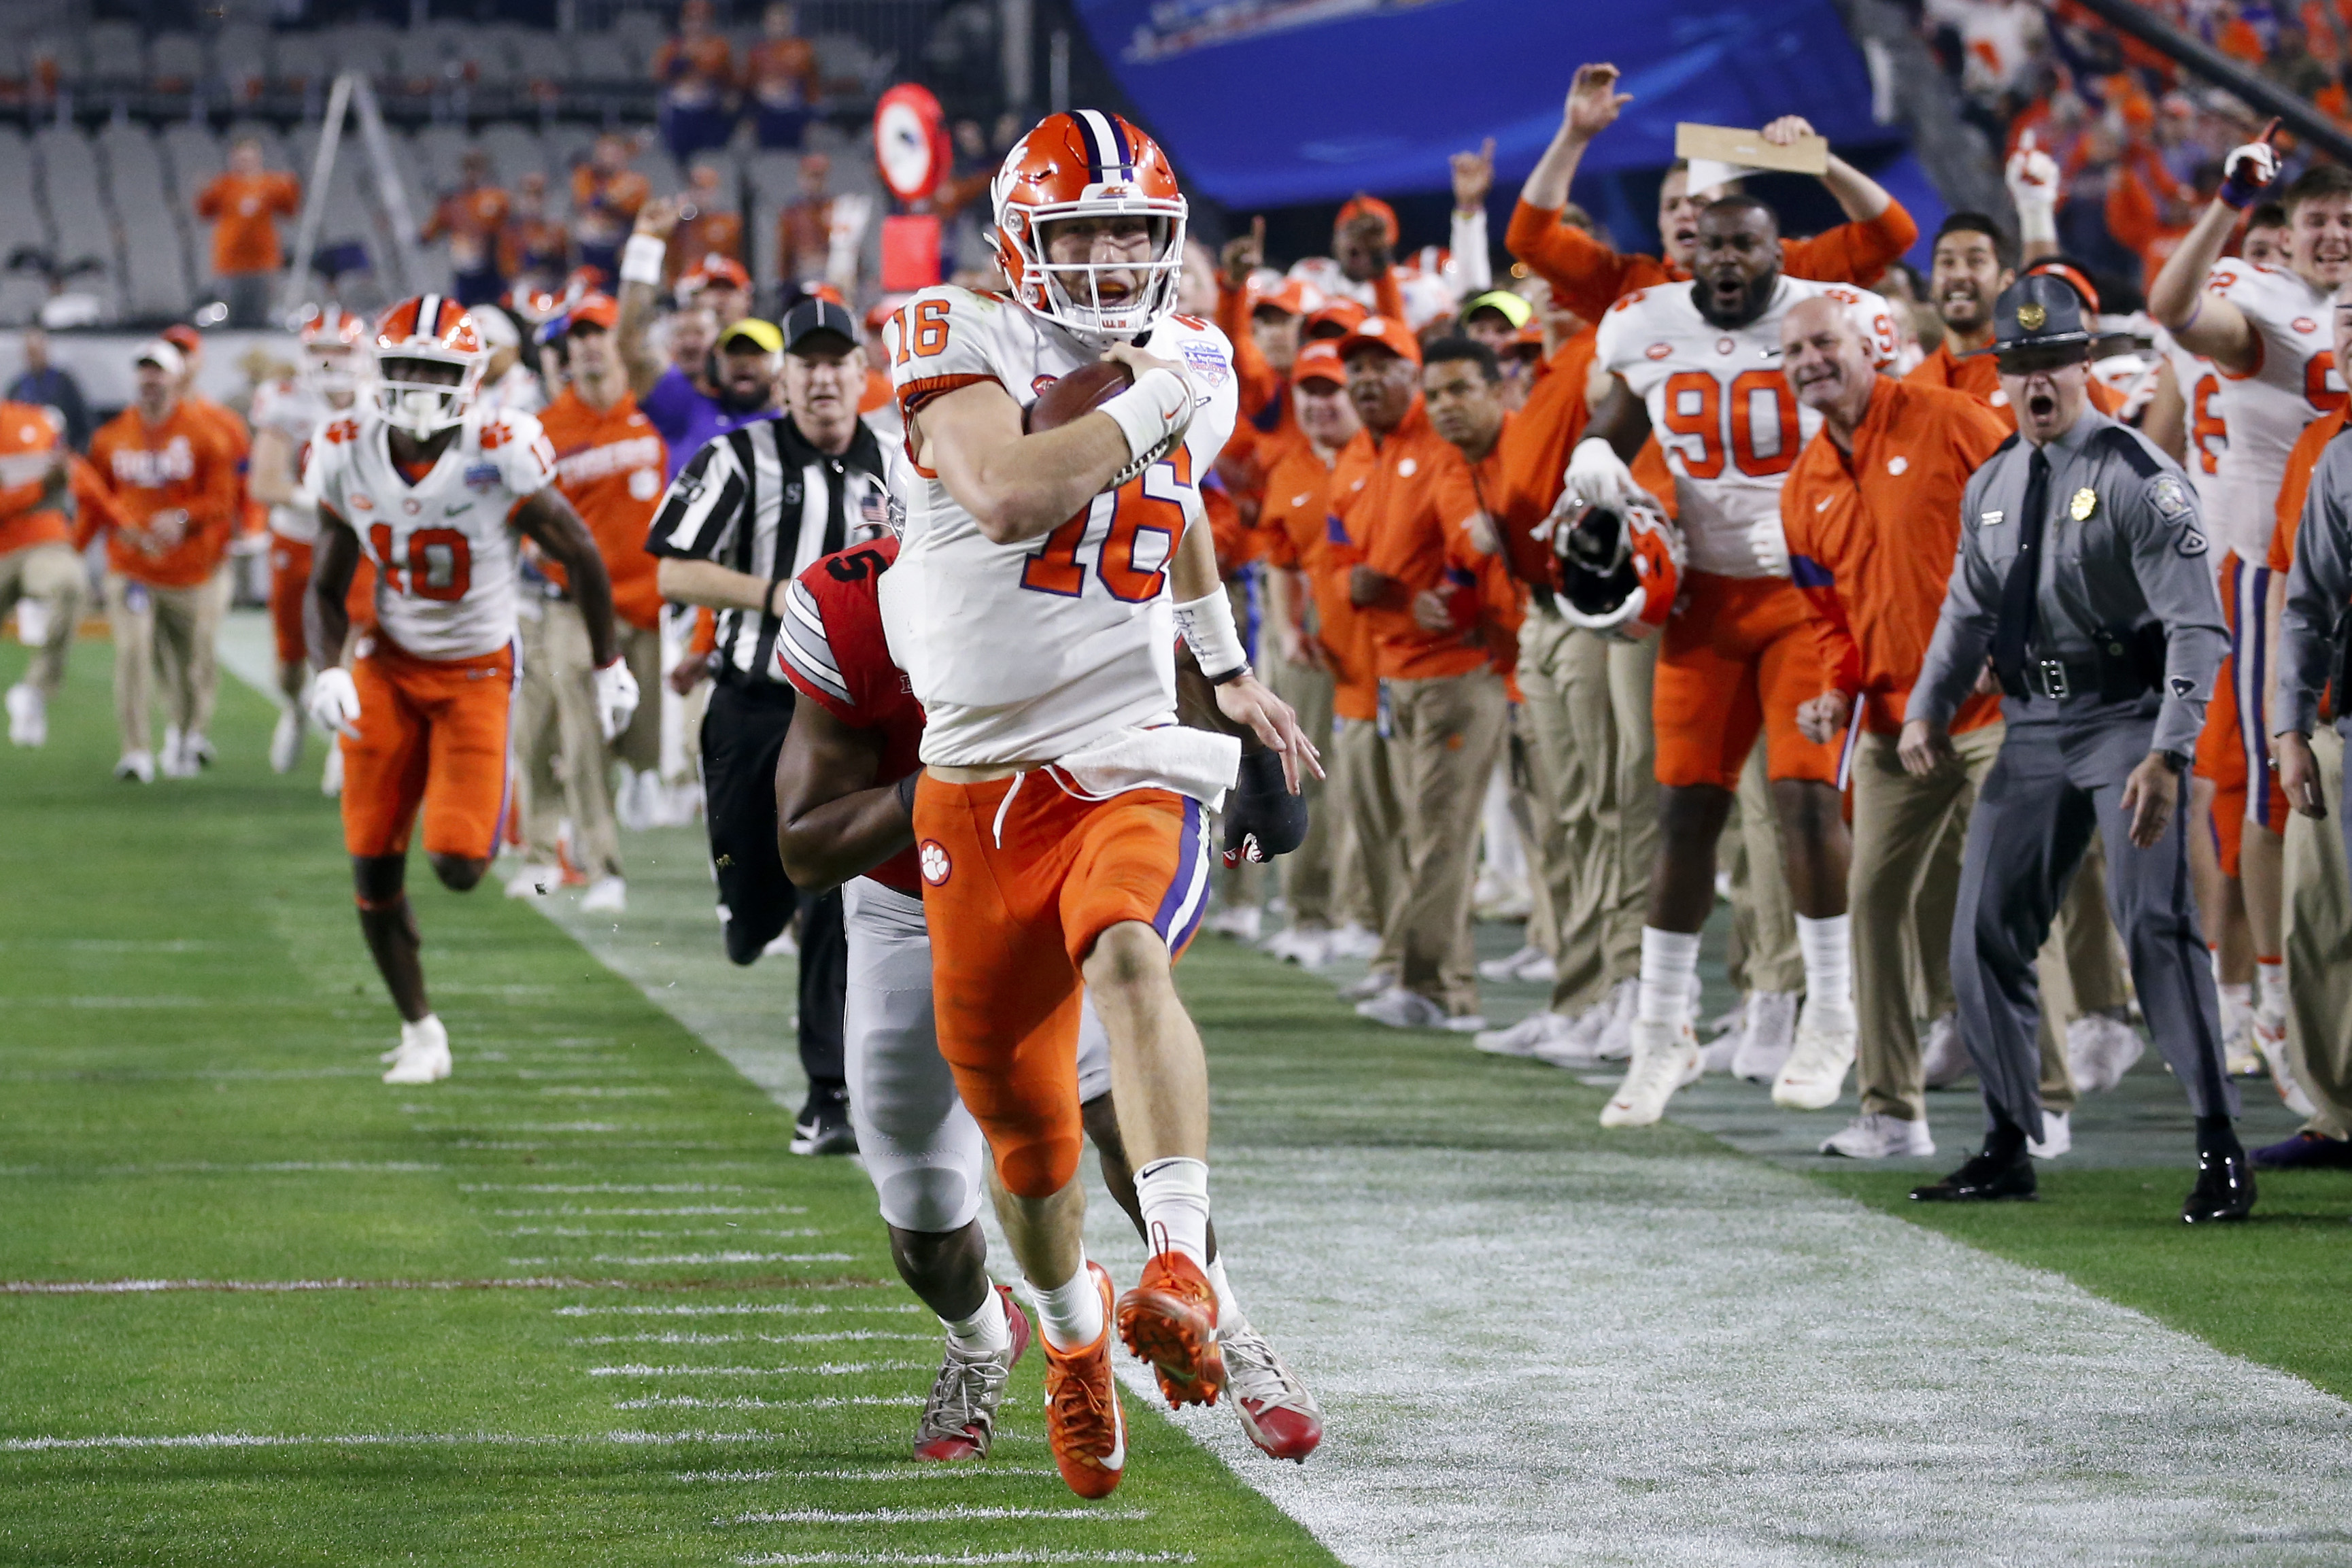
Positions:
{"x": 432, "y": 739}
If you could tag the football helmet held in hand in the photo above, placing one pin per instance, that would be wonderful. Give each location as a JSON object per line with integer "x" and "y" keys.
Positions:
{"x": 1620, "y": 564}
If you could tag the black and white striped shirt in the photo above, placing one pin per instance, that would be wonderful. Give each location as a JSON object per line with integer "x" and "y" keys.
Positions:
{"x": 762, "y": 501}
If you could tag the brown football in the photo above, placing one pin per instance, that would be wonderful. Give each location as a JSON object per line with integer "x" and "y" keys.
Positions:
{"x": 1077, "y": 393}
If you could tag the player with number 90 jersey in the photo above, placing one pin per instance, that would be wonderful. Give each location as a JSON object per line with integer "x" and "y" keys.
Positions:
{"x": 1027, "y": 652}
{"x": 1724, "y": 414}
{"x": 442, "y": 542}
{"x": 2293, "y": 382}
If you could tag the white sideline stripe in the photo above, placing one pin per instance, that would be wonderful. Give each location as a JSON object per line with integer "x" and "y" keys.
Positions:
{"x": 569, "y": 1212}
{"x": 375, "y": 1440}
{"x": 837, "y": 1336}
{"x": 959, "y": 1559}
{"x": 666, "y": 1259}
{"x": 584, "y": 1233}
{"x": 206, "y": 1167}
{"x": 822, "y": 1369}
{"x": 600, "y": 1187}
{"x": 956, "y": 1514}
{"x": 743, "y": 1309}
{"x": 814, "y": 1402}
{"x": 913, "y": 1472}
{"x": 277, "y": 1286}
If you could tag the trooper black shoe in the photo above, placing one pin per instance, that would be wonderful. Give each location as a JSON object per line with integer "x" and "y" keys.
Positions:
{"x": 822, "y": 1126}
{"x": 1986, "y": 1178}
{"x": 2224, "y": 1190}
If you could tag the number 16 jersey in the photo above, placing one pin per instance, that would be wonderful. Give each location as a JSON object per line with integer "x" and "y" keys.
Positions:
{"x": 1027, "y": 652}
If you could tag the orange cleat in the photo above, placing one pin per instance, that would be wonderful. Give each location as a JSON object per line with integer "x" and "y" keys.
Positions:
{"x": 1169, "y": 1320}
{"x": 1083, "y": 1422}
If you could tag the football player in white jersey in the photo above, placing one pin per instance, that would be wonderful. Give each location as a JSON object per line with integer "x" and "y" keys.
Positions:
{"x": 286, "y": 415}
{"x": 434, "y": 492}
{"x": 1061, "y": 823}
{"x": 1699, "y": 363}
{"x": 2267, "y": 329}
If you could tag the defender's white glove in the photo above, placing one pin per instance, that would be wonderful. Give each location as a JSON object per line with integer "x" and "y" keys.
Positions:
{"x": 1597, "y": 474}
{"x": 2032, "y": 178}
{"x": 616, "y": 697}
{"x": 2250, "y": 169}
{"x": 334, "y": 702}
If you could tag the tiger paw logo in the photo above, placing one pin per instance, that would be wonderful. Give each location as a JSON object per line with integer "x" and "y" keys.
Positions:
{"x": 935, "y": 862}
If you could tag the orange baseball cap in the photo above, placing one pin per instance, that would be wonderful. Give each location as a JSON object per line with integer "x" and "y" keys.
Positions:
{"x": 714, "y": 269}
{"x": 1337, "y": 318}
{"x": 1319, "y": 361}
{"x": 595, "y": 310}
{"x": 1292, "y": 297}
{"x": 1368, "y": 207}
{"x": 182, "y": 338}
{"x": 1386, "y": 332}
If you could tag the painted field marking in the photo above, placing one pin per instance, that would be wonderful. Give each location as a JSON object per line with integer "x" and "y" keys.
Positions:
{"x": 745, "y": 1402}
{"x": 698, "y": 1209}
{"x": 133, "y": 1442}
{"x": 837, "y": 1336}
{"x": 822, "y": 1369}
{"x": 915, "y": 1471}
{"x": 956, "y": 1513}
{"x": 954, "y": 1560}
{"x": 664, "y": 1260}
{"x": 280, "y": 1286}
{"x": 746, "y": 1309}
{"x": 599, "y": 1187}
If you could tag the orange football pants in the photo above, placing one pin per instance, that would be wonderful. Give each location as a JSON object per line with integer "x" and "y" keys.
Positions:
{"x": 1737, "y": 661}
{"x": 1015, "y": 893}
{"x": 431, "y": 733}
{"x": 2221, "y": 758}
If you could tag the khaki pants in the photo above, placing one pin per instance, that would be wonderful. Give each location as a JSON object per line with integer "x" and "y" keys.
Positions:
{"x": 1447, "y": 734}
{"x": 2319, "y": 947}
{"x": 1307, "y": 870}
{"x": 1371, "y": 823}
{"x": 1526, "y": 817}
{"x": 1592, "y": 754}
{"x": 639, "y": 745}
{"x": 166, "y": 635}
{"x": 560, "y": 760}
{"x": 1764, "y": 955}
{"x": 52, "y": 574}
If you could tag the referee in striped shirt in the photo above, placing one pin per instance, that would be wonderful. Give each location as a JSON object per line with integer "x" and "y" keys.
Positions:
{"x": 747, "y": 513}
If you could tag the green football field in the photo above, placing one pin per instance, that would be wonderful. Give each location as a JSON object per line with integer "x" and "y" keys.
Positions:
{"x": 577, "y": 1305}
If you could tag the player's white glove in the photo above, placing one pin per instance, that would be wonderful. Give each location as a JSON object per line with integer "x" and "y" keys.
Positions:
{"x": 2033, "y": 177}
{"x": 1770, "y": 544}
{"x": 2250, "y": 169}
{"x": 1597, "y": 474}
{"x": 616, "y": 697}
{"x": 334, "y": 702}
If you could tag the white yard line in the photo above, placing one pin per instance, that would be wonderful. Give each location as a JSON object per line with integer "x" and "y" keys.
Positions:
{"x": 278, "y": 1286}
{"x": 822, "y": 1369}
{"x": 955, "y": 1514}
{"x": 135, "y": 1442}
{"x": 812, "y": 1402}
{"x": 914, "y": 1471}
{"x": 741, "y": 1308}
{"x": 951, "y": 1560}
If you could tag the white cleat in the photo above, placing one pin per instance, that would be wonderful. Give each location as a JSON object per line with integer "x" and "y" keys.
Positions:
{"x": 1353, "y": 942}
{"x": 1277, "y": 1411}
{"x": 29, "y": 715}
{"x": 1401, "y": 1009}
{"x": 1666, "y": 1059}
{"x": 1308, "y": 949}
{"x": 2270, "y": 1039}
{"x": 1716, "y": 1059}
{"x": 1771, "y": 1034}
{"x": 286, "y": 742}
{"x": 196, "y": 752}
{"x": 2057, "y": 1136}
{"x": 423, "y": 1056}
{"x": 1369, "y": 986}
{"x": 1944, "y": 1055}
{"x": 1510, "y": 966}
{"x": 2100, "y": 1048}
{"x": 331, "y": 782}
{"x": 175, "y": 763}
{"x": 1613, "y": 1036}
{"x": 1527, "y": 1037}
{"x": 534, "y": 881}
{"x": 136, "y": 767}
{"x": 605, "y": 896}
{"x": 1875, "y": 1135}
{"x": 1815, "y": 1075}
{"x": 1241, "y": 922}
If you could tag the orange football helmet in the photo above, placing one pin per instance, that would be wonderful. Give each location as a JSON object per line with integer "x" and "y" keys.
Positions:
{"x": 333, "y": 341}
{"x": 1088, "y": 164}
{"x": 429, "y": 363}
{"x": 1620, "y": 567}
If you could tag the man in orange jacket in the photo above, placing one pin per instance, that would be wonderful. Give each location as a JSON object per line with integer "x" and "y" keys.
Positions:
{"x": 36, "y": 558}
{"x": 169, "y": 482}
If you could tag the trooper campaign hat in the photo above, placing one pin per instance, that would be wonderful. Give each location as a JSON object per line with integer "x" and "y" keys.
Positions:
{"x": 2040, "y": 318}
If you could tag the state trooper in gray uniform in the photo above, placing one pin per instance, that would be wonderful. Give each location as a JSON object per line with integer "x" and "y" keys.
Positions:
{"x": 2082, "y": 574}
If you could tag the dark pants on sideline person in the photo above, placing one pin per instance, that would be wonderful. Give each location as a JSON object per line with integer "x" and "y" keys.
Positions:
{"x": 742, "y": 736}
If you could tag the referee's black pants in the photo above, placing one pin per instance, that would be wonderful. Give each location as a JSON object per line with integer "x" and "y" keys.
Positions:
{"x": 742, "y": 736}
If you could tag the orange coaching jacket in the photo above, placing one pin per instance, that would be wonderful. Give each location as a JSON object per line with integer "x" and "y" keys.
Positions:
{"x": 1872, "y": 539}
{"x": 609, "y": 466}
{"x": 29, "y": 440}
{"x": 184, "y": 462}
{"x": 1295, "y": 525}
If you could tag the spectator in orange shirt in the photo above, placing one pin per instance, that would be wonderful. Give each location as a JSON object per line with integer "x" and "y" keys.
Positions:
{"x": 38, "y": 563}
{"x": 1588, "y": 277}
{"x": 535, "y": 252}
{"x": 606, "y": 195}
{"x": 1445, "y": 705}
{"x": 804, "y": 228}
{"x": 718, "y": 284}
{"x": 471, "y": 218}
{"x": 168, "y": 476}
{"x": 782, "y": 76}
{"x": 1871, "y": 511}
{"x": 242, "y": 204}
{"x": 711, "y": 230}
{"x": 696, "y": 68}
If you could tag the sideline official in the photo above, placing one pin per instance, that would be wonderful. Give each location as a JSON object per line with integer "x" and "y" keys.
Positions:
{"x": 2081, "y": 572}
{"x": 749, "y": 512}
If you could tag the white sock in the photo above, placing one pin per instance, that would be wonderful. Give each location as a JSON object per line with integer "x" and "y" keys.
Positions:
{"x": 1070, "y": 1315}
{"x": 1174, "y": 1196}
{"x": 986, "y": 1331}
{"x": 2239, "y": 995}
{"x": 1229, "y": 1311}
{"x": 2270, "y": 984}
{"x": 1669, "y": 975}
{"x": 1828, "y": 947}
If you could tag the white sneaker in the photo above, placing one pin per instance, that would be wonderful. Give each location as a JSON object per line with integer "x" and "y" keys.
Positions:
{"x": 29, "y": 715}
{"x": 2270, "y": 1039}
{"x": 533, "y": 879}
{"x": 2100, "y": 1048}
{"x": 137, "y": 767}
{"x": 1354, "y": 942}
{"x": 632, "y": 806}
{"x": 1241, "y": 922}
{"x": 286, "y": 742}
{"x": 196, "y": 752}
{"x": 605, "y": 896}
{"x": 331, "y": 783}
{"x": 1815, "y": 1075}
{"x": 1369, "y": 986}
{"x": 1508, "y": 967}
{"x": 785, "y": 945}
{"x": 1613, "y": 1038}
{"x": 1501, "y": 898}
{"x": 1536, "y": 968}
{"x": 175, "y": 763}
{"x": 1771, "y": 1034}
{"x": 2057, "y": 1135}
{"x": 1306, "y": 949}
{"x": 1944, "y": 1055}
{"x": 2239, "y": 1054}
{"x": 423, "y": 1053}
{"x": 1875, "y": 1135}
{"x": 1401, "y": 1009}
{"x": 1527, "y": 1037}
{"x": 1666, "y": 1059}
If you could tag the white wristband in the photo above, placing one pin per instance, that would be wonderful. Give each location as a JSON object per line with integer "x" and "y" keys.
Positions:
{"x": 2037, "y": 222}
{"x": 1152, "y": 415}
{"x": 1208, "y": 629}
{"x": 642, "y": 258}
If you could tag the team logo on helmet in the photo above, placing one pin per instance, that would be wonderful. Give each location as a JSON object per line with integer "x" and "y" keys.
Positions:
{"x": 1620, "y": 565}
{"x": 1092, "y": 165}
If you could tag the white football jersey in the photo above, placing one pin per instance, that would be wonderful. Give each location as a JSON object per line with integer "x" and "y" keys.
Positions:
{"x": 1027, "y": 652}
{"x": 1724, "y": 414}
{"x": 2199, "y": 380}
{"x": 443, "y": 547}
{"x": 295, "y": 409}
{"x": 2293, "y": 382}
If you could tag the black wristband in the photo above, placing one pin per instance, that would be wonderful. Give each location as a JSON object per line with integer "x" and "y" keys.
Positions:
{"x": 1229, "y": 676}
{"x": 906, "y": 788}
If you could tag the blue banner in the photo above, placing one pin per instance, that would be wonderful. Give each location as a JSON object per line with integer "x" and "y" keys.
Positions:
{"x": 1269, "y": 102}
